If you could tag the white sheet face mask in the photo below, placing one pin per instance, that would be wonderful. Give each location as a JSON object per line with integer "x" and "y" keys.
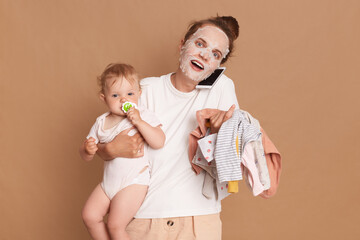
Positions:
{"x": 202, "y": 53}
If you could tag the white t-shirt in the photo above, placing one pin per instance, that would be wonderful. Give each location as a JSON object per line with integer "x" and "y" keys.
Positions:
{"x": 175, "y": 190}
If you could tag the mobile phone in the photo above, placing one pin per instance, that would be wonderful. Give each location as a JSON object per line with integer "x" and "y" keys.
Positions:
{"x": 212, "y": 79}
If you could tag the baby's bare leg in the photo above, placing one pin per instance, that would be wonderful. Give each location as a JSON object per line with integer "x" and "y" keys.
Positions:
{"x": 93, "y": 214}
{"x": 123, "y": 207}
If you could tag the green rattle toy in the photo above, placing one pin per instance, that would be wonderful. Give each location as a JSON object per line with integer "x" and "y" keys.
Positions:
{"x": 127, "y": 105}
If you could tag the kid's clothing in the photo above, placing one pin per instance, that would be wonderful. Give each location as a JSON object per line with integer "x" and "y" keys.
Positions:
{"x": 252, "y": 174}
{"x": 122, "y": 172}
{"x": 254, "y": 164}
{"x": 227, "y": 159}
{"x": 259, "y": 154}
{"x": 274, "y": 162}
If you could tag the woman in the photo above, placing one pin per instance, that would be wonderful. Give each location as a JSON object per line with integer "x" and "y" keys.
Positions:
{"x": 174, "y": 207}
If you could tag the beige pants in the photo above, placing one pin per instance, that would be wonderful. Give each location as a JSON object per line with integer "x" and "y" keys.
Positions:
{"x": 205, "y": 227}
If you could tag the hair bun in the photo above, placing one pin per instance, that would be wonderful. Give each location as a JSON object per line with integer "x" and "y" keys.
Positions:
{"x": 232, "y": 24}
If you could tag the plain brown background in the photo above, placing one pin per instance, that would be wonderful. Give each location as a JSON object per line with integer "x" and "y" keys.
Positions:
{"x": 295, "y": 67}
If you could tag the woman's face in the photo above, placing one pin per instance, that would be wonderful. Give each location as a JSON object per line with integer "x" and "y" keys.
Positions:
{"x": 203, "y": 51}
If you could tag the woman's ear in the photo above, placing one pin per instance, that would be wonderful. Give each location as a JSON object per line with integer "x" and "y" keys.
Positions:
{"x": 181, "y": 44}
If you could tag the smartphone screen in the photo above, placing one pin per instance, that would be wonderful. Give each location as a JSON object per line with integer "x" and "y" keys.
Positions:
{"x": 210, "y": 81}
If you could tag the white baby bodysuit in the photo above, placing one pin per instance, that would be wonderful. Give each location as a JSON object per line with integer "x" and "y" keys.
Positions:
{"x": 122, "y": 172}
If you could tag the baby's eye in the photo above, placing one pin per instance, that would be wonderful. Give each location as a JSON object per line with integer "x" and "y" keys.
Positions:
{"x": 115, "y": 95}
{"x": 130, "y": 93}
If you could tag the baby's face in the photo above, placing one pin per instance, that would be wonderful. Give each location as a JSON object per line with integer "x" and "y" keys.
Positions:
{"x": 118, "y": 91}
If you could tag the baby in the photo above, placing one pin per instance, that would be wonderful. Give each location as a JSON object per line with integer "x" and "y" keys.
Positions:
{"x": 125, "y": 180}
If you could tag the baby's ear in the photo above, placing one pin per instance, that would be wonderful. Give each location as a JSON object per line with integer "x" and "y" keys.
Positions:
{"x": 102, "y": 96}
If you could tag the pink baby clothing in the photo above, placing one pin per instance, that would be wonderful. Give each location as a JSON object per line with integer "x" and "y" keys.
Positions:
{"x": 250, "y": 170}
{"x": 268, "y": 172}
{"x": 198, "y": 160}
{"x": 204, "y": 158}
{"x": 273, "y": 160}
{"x": 259, "y": 154}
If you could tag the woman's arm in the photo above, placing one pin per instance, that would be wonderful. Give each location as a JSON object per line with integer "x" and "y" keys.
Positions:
{"x": 122, "y": 146}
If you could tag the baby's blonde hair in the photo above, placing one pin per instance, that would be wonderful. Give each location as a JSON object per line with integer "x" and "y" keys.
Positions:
{"x": 118, "y": 70}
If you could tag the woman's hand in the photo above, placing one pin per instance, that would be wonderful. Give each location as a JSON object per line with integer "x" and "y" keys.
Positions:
{"x": 219, "y": 117}
{"x": 122, "y": 146}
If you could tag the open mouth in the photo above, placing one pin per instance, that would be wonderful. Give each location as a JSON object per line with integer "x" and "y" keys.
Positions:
{"x": 197, "y": 65}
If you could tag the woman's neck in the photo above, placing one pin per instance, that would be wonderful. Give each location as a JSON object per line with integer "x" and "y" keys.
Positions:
{"x": 181, "y": 82}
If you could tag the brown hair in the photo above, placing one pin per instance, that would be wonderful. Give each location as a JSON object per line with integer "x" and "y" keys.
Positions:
{"x": 227, "y": 24}
{"x": 118, "y": 70}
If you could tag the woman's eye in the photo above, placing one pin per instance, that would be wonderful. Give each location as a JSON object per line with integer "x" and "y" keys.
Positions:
{"x": 216, "y": 55}
{"x": 115, "y": 95}
{"x": 199, "y": 44}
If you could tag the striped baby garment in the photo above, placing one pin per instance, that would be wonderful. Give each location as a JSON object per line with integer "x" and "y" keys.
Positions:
{"x": 226, "y": 158}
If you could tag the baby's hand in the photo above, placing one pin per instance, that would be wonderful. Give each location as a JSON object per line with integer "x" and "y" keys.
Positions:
{"x": 134, "y": 116}
{"x": 90, "y": 146}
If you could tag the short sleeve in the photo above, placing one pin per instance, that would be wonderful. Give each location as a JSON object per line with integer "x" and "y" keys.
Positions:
{"x": 93, "y": 132}
{"x": 222, "y": 95}
{"x": 150, "y": 117}
{"x": 228, "y": 95}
